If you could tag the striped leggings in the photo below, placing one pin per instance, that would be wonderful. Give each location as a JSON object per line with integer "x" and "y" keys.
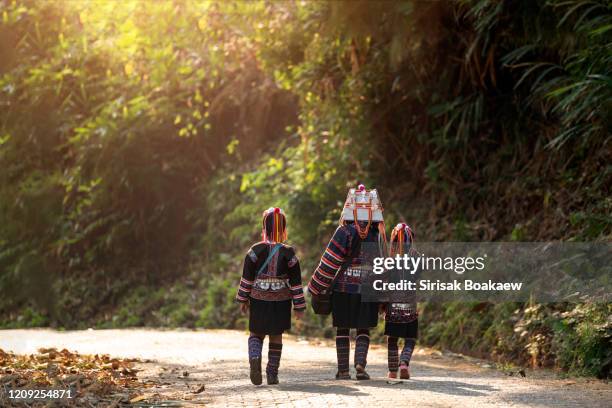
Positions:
{"x": 274, "y": 352}
{"x": 343, "y": 347}
{"x": 393, "y": 352}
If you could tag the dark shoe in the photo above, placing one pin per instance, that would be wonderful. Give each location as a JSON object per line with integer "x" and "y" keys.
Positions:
{"x": 404, "y": 372}
{"x": 343, "y": 375}
{"x": 361, "y": 373}
{"x": 255, "y": 364}
{"x": 272, "y": 379}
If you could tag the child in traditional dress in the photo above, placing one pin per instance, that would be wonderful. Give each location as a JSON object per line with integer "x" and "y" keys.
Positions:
{"x": 270, "y": 283}
{"x": 401, "y": 317}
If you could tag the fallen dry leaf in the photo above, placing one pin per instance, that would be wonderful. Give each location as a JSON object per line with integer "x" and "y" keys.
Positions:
{"x": 138, "y": 399}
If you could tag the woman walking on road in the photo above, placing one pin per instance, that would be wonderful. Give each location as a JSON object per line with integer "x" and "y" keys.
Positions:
{"x": 343, "y": 264}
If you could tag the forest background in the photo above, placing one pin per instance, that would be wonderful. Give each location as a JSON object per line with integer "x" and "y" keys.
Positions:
{"x": 140, "y": 142}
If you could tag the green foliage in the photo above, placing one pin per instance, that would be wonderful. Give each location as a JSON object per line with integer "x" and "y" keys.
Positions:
{"x": 219, "y": 309}
{"x": 27, "y": 317}
{"x": 111, "y": 133}
{"x": 572, "y": 337}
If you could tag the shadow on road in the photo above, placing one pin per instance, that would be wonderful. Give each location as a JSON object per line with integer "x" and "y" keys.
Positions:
{"x": 319, "y": 384}
{"x": 225, "y": 380}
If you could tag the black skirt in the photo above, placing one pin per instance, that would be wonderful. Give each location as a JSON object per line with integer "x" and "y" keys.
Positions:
{"x": 269, "y": 317}
{"x": 403, "y": 330}
{"x": 349, "y": 312}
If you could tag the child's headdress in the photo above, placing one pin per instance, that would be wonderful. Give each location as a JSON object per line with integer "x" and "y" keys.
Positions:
{"x": 402, "y": 239}
{"x": 274, "y": 225}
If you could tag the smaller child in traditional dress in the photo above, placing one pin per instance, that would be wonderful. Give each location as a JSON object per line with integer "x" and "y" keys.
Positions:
{"x": 271, "y": 281}
{"x": 401, "y": 317}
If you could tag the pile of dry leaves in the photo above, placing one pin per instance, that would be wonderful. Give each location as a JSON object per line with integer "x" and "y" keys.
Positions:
{"x": 94, "y": 378}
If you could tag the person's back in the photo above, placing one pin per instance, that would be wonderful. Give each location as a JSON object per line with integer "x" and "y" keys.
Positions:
{"x": 270, "y": 282}
{"x": 345, "y": 262}
{"x": 401, "y": 316}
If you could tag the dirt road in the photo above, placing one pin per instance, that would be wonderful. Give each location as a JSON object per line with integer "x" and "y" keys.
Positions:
{"x": 218, "y": 359}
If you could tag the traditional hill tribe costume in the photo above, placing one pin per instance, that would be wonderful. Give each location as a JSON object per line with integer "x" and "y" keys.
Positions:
{"x": 270, "y": 282}
{"x": 342, "y": 266}
{"x": 401, "y": 317}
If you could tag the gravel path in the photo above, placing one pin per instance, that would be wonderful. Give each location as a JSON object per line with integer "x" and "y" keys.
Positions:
{"x": 218, "y": 359}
